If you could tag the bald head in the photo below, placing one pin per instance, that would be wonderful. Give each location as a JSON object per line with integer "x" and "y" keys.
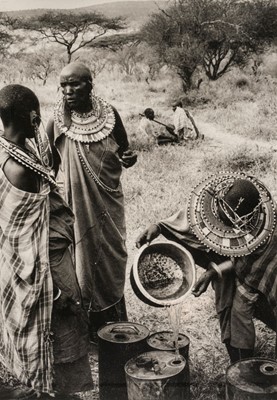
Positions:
{"x": 76, "y": 84}
{"x": 77, "y": 70}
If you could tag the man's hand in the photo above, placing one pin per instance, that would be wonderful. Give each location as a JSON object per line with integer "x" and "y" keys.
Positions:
{"x": 203, "y": 282}
{"x": 129, "y": 158}
{"x": 148, "y": 235}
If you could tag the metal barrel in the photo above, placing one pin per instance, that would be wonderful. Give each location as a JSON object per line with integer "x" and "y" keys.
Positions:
{"x": 118, "y": 342}
{"x": 155, "y": 375}
{"x": 252, "y": 379}
{"x": 164, "y": 341}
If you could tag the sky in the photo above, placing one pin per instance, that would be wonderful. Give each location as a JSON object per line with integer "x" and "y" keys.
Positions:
{"x": 11, "y": 5}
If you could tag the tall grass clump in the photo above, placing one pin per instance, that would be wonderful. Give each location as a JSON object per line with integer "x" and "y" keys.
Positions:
{"x": 246, "y": 158}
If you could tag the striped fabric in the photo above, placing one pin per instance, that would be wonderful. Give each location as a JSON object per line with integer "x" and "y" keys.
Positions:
{"x": 25, "y": 284}
{"x": 257, "y": 270}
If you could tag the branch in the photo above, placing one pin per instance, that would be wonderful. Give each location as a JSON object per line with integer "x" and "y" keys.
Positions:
{"x": 86, "y": 42}
{"x": 219, "y": 21}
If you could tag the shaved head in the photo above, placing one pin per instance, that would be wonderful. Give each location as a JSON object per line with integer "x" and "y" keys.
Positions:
{"x": 16, "y": 102}
{"x": 77, "y": 70}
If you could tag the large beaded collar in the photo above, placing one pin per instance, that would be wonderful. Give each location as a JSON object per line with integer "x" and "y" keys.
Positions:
{"x": 214, "y": 233}
{"x": 89, "y": 127}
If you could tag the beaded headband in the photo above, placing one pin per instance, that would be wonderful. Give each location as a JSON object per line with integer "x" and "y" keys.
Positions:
{"x": 246, "y": 233}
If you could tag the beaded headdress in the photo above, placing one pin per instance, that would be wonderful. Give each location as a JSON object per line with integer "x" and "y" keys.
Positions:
{"x": 89, "y": 127}
{"x": 235, "y": 234}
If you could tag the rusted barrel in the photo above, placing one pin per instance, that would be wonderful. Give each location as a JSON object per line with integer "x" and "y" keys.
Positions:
{"x": 164, "y": 341}
{"x": 252, "y": 379}
{"x": 155, "y": 375}
{"x": 118, "y": 343}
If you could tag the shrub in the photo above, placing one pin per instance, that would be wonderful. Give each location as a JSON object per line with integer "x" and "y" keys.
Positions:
{"x": 242, "y": 82}
{"x": 246, "y": 158}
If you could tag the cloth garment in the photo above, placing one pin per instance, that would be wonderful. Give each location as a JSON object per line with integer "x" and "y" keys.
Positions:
{"x": 69, "y": 318}
{"x": 256, "y": 273}
{"x": 146, "y": 131}
{"x": 89, "y": 175}
{"x": 67, "y": 338}
{"x": 182, "y": 124}
{"x": 26, "y": 292}
{"x": 149, "y": 134}
{"x": 193, "y": 126}
{"x": 242, "y": 327}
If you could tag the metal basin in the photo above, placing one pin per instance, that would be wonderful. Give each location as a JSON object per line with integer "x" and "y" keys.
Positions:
{"x": 163, "y": 274}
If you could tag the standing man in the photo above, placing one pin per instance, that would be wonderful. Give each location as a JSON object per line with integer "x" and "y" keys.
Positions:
{"x": 91, "y": 147}
{"x": 229, "y": 226}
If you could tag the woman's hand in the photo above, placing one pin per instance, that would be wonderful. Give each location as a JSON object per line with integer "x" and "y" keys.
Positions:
{"x": 203, "y": 282}
{"x": 148, "y": 235}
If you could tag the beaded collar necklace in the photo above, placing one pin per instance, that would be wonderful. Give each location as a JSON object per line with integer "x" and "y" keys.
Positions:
{"x": 26, "y": 158}
{"x": 89, "y": 127}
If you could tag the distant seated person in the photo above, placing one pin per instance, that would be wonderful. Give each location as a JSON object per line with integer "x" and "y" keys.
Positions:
{"x": 184, "y": 124}
{"x": 150, "y": 134}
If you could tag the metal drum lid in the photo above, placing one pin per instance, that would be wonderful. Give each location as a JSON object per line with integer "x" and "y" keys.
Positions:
{"x": 123, "y": 332}
{"x": 164, "y": 340}
{"x": 254, "y": 375}
{"x": 155, "y": 365}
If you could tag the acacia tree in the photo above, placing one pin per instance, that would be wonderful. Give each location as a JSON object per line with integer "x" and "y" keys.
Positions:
{"x": 7, "y": 34}
{"x": 73, "y": 31}
{"x": 125, "y": 49}
{"x": 214, "y": 33}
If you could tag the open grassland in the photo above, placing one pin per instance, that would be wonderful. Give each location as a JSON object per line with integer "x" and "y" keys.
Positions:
{"x": 239, "y": 124}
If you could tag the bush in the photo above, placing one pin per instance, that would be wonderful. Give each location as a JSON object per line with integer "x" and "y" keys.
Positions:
{"x": 242, "y": 82}
{"x": 249, "y": 159}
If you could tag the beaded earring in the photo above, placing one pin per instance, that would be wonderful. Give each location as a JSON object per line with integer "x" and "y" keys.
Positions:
{"x": 44, "y": 148}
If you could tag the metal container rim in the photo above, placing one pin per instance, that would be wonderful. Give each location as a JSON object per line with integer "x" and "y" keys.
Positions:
{"x": 166, "y": 302}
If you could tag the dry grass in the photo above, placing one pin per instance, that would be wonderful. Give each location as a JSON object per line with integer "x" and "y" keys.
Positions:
{"x": 160, "y": 182}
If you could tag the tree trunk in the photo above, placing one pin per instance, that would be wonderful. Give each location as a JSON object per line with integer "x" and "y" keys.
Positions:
{"x": 186, "y": 78}
{"x": 69, "y": 56}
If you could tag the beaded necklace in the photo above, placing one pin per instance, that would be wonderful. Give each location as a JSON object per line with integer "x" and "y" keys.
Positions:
{"x": 26, "y": 158}
{"x": 93, "y": 126}
{"x": 91, "y": 172}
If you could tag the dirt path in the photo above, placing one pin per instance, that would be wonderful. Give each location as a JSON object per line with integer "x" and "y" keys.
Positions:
{"x": 231, "y": 140}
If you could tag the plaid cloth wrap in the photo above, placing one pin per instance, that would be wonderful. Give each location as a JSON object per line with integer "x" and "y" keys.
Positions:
{"x": 26, "y": 291}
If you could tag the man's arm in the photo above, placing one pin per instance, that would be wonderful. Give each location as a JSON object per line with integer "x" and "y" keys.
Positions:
{"x": 214, "y": 271}
{"x": 21, "y": 177}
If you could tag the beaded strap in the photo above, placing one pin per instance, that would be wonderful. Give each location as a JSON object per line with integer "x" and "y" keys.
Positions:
{"x": 23, "y": 158}
{"x": 90, "y": 171}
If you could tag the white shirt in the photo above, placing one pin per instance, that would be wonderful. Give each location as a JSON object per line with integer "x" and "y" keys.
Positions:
{"x": 146, "y": 129}
{"x": 181, "y": 121}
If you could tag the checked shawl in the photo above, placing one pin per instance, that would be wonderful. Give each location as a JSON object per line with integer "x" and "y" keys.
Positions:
{"x": 25, "y": 283}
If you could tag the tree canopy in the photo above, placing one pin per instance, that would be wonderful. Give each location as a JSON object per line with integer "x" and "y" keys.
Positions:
{"x": 7, "y": 35}
{"x": 73, "y": 31}
{"x": 214, "y": 33}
